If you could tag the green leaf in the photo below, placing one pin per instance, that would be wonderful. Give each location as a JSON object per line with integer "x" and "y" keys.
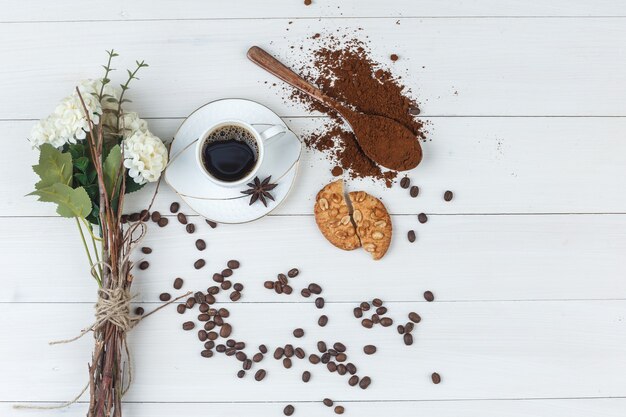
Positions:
{"x": 81, "y": 163}
{"x": 54, "y": 167}
{"x": 131, "y": 185}
{"x": 71, "y": 202}
{"x": 111, "y": 168}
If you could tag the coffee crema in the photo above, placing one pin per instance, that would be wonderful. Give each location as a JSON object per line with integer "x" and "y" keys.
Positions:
{"x": 230, "y": 153}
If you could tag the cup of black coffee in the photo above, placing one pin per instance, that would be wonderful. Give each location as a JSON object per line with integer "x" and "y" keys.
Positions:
{"x": 231, "y": 152}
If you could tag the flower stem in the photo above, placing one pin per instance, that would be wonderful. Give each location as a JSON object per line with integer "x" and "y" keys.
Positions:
{"x": 82, "y": 236}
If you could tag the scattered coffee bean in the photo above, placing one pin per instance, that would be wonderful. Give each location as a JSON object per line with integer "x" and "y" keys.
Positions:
{"x": 289, "y": 350}
{"x": 411, "y": 236}
{"x": 305, "y": 293}
{"x": 375, "y": 319}
{"x": 200, "y": 244}
{"x": 263, "y": 349}
{"x": 211, "y": 223}
{"x": 287, "y": 289}
{"x": 218, "y": 278}
{"x": 199, "y": 264}
{"x": 178, "y": 283}
{"x": 341, "y": 357}
{"x": 226, "y": 285}
{"x": 322, "y": 321}
{"x": 139, "y": 311}
{"x": 144, "y": 215}
{"x": 190, "y": 302}
{"x": 381, "y": 311}
{"x": 377, "y": 302}
{"x": 325, "y": 358}
{"x": 282, "y": 278}
{"x": 321, "y": 346}
{"x": 448, "y": 195}
{"x": 188, "y": 325}
{"x": 351, "y": 368}
{"x": 365, "y": 382}
{"x": 299, "y": 352}
{"x": 386, "y": 321}
{"x": 241, "y": 356}
{"x": 258, "y": 357}
{"x": 306, "y": 376}
{"x": 260, "y": 374}
{"x": 429, "y": 296}
{"x": 405, "y": 182}
{"x": 414, "y": 191}
{"x": 146, "y": 250}
{"x": 408, "y": 339}
{"x": 155, "y": 216}
{"x": 298, "y": 332}
{"x": 226, "y": 330}
{"x": 400, "y": 329}
{"x": 144, "y": 265}
{"x": 190, "y": 228}
{"x": 213, "y": 289}
{"x": 235, "y": 296}
{"x": 240, "y": 345}
{"x": 227, "y": 272}
{"x": 365, "y": 306}
{"x": 165, "y": 296}
{"x": 238, "y": 287}
{"x": 204, "y": 317}
{"x": 422, "y": 218}
{"x": 288, "y": 410}
{"x": 319, "y": 302}
{"x": 293, "y": 272}
{"x": 332, "y": 352}
{"x": 408, "y": 328}
{"x": 220, "y": 348}
{"x": 358, "y": 313}
{"x": 174, "y": 207}
{"x": 278, "y": 353}
{"x": 209, "y": 344}
{"x": 278, "y": 287}
{"x": 369, "y": 349}
{"x": 339, "y": 409}
{"x": 241, "y": 373}
{"x": 230, "y": 343}
{"x": 202, "y": 335}
{"x": 233, "y": 264}
{"x": 314, "y": 359}
{"x": 353, "y": 380}
{"x": 414, "y": 317}
{"x": 269, "y": 285}
{"x": 181, "y": 218}
{"x": 287, "y": 363}
{"x": 332, "y": 366}
{"x": 367, "y": 323}
{"x": 315, "y": 289}
{"x": 134, "y": 217}
{"x": 181, "y": 308}
{"x": 328, "y": 402}
{"x": 230, "y": 352}
{"x": 163, "y": 221}
{"x": 339, "y": 347}
{"x": 436, "y": 378}
{"x": 206, "y": 353}
{"x": 199, "y": 297}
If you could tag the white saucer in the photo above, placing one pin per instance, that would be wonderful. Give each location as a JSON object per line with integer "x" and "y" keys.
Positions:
{"x": 227, "y": 204}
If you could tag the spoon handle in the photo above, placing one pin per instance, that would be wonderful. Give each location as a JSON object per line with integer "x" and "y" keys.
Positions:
{"x": 274, "y": 66}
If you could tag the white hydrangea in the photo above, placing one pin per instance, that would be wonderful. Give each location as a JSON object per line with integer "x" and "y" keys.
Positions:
{"x": 145, "y": 156}
{"x": 131, "y": 123}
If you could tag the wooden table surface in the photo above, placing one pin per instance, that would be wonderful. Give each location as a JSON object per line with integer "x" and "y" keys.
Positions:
{"x": 526, "y": 104}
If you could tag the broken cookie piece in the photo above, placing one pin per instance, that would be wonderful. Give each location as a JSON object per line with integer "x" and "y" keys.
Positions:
{"x": 333, "y": 217}
{"x": 373, "y": 224}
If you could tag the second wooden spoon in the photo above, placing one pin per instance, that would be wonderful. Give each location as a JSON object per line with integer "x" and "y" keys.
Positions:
{"x": 384, "y": 140}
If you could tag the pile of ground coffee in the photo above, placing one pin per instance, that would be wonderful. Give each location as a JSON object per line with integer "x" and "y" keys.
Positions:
{"x": 343, "y": 69}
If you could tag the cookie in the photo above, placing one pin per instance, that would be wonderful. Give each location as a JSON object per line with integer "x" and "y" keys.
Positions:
{"x": 333, "y": 217}
{"x": 373, "y": 224}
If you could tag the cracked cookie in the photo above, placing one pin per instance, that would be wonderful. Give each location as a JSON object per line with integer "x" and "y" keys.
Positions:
{"x": 333, "y": 217}
{"x": 373, "y": 224}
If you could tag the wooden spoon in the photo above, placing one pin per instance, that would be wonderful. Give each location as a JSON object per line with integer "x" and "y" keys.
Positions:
{"x": 384, "y": 140}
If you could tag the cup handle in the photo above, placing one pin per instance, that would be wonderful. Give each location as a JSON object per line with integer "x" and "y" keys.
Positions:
{"x": 271, "y": 133}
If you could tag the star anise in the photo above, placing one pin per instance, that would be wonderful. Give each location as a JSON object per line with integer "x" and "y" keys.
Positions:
{"x": 260, "y": 190}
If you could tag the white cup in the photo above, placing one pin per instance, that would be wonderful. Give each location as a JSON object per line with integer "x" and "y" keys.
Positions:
{"x": 261, "y": 138}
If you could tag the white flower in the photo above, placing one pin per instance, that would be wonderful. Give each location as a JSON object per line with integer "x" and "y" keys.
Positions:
{"x": 131, "y": 123}
{"x": 45, "y": 132}
{"x": 145, "y": 156}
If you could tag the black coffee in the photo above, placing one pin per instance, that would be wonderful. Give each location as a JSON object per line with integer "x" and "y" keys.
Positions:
{"x": 230, "y": 153}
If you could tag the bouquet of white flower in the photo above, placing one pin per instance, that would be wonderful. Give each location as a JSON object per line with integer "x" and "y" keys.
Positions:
{"x": 92, "y": 153}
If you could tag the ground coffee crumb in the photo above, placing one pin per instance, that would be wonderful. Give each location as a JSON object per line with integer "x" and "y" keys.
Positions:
{"x": 337, "y": 171}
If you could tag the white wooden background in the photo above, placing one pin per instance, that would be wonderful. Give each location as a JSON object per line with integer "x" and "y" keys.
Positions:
{"x": 527, "y": 263}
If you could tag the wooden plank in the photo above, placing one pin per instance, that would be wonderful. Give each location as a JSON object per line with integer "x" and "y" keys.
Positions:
{"x": 71, "y": 10}
{"x": 482, "y": 67}
{"x": 459, "y": 258}
{"x": 504, "y": 350}
{"x": 609, "y": 407}
{"x": 494, "y": 165}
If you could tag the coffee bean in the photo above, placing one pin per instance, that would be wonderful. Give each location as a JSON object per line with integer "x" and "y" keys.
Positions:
{"x": 341, "y": 357}
{"x": 238, "y": 287}
{"x": 339, "y": 409}
{"x": 190, "y": 228}
{"x": 381, "y": 311}
{"x": 240, "y": 345}
{"x": 226, "y": 285}
{"x": 134, "y": 217}
{"x": 202, "y": 335}
{"x": 144, "y": 265}
{"x": 230, "y": 343}
{"x": 235, "y": 295}
{"x": 144, "y": 215}
{"x": 278, "y": 287}
{"x": 436, "y": 378}
{"x": 414, "y": 191}
{"x": 282, "y": 278}
{"x": 332, "y": 366}
{"x": 314, "y": 359}
{"x": 212, "y": 335}
{"x": 414, "y": 111}
{"x": 365, "y": 382}
{"x": 319, "y": 302}
{"x": 209, "y": 344}
{"x": 199, "y": 297}
{"x": 332, "y": 352}
{"x": 260, "y": 374}
{"x": 233, "y": 264}
{"x": 306, "y": 376}
{"x": 408, "y": 328}
{"x": 220, "y": 348}
{"x": 328, "y": 402}
{"x": 408, "y": 339}
{"x": 174, "y": 207}
{"x": 218, "y": 321}
{"x": 241, "y": 356}
{"x": 325, "y": 358}
{"x": 429, "y": 296}
{"x": 155, "y": 216}
{"x": 405, "y": 182}
{"x": 188, "y": 325}
{"x": 367, "y": 323}
{"x": 448, "y": 195}
{"x": 247, "y": 365}
{"x": 369, "y": 349}
{"x": 365, "y": 306}
{"x": 211, "y": 223}
{"x": 199, "y": 264}
{"x": 377, "y": 302}
{"x": 414, "y": 317}
{"x": 287, "y": 289}
{"x": 165, "y": 296}
{"x": 263, "y": 349}
{"x": 305, "y": 293}
{"x": 289, "y": 350}
{"x": 351, "y": 368}
{"x": 218, "y": 278}
{"x": 258, "y": 357}
{"x": 299, "y": 352}
{"x": 181, "y": 218}
{"x": 139, "y": 311}
{"x": 287, "y": 363}
{"x": 204, "y": 317}
{"x": 190, "y": 302}
{"x": 322, "y": 321}
{"x": 358, "y": 313}
{"x": 321, "y": 346}
{"x": 269, "y": 285}
{"x": 422, "y": 218}
{"x": 227, "y": 272}
{"x": 339, "y": 347}
{"x": 386, "y": 321}
{"x": 146, "y": 250}
{"x": 298, "y": 332}
{"x": 226, "y": 330}
{"x": 315, "y": 289}
{"x": 241, "y": 373}
{"x": 178, "y": 283}
{"x": 200, "y": 244}
{"x": 400, "y": 329}
{"x": 163, "y": 221}
{"x": 124, "y": 219}
{"x": 353, "y": 380}
{"x": 223, "y": 312}
{"x": 293, "y": 272}
{"x": 278, "y": 353}
{"x": 288, "y": 410}
{"x": 206, "y": 353}
{"x": 411, "y": 236}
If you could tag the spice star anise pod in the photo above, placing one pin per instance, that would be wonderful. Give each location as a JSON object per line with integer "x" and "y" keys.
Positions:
{"x": 260, "y": 190}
